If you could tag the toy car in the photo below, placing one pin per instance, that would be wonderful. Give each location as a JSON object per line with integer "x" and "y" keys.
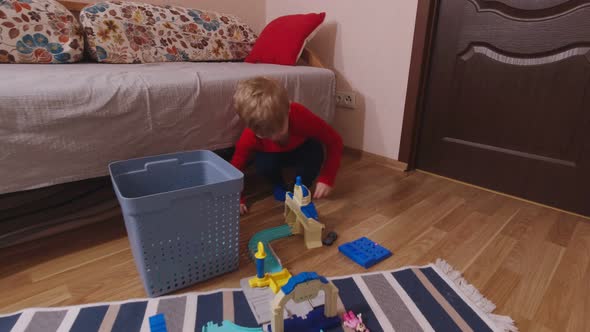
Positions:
{"x": 330, "y": 239}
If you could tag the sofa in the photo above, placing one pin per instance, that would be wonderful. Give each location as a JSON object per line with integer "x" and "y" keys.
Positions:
{"x": 64, "y": 123}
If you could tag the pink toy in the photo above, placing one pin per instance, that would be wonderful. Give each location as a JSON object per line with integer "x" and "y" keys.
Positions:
{"x": 354, "y": 322}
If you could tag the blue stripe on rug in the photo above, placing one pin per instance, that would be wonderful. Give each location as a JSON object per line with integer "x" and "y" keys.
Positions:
{"x": 89, "y": 319}
{"x": 470, "y": 317}
{"x": 209, "y": 309}
{"x": 242, "y": 313}
{"x": 353, "y": 299}
{"x": 432, "y": 311}
{"x": 130, "y": 317}
{"x": 7, "y": 323}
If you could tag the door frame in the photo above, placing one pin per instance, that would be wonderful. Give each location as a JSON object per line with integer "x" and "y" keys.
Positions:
{"x": 424, "y": 29}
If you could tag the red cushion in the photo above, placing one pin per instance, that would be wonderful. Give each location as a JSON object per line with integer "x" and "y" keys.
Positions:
{"x": 282, "y": 40}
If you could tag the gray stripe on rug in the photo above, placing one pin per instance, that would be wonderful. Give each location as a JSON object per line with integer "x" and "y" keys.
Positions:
{"x": 44, "y": 321}
{"x": 392, "y": 305}
{"x": 173, "y": 309}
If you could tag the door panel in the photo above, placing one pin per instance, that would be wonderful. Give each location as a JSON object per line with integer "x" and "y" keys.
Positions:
{"x": 527, "y": 9}
{"x": 507, "y": 104}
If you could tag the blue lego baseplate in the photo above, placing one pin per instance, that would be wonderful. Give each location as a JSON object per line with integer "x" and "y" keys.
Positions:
{"x": 301, "y": 278}
{"x": 315, "y": 321}
{"x": 158, "y": 323}
{"x": 364, "y": 252}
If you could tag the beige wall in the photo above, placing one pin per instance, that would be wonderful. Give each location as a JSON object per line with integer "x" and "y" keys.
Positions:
{"x": 368, "y": 44}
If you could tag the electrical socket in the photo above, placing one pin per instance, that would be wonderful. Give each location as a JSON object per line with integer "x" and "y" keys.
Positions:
{"x": 346, "y": 99}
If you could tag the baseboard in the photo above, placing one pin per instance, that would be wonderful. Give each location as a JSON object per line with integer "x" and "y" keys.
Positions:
{"x": 504, "y": 194}
{"x": 392, "y": 163}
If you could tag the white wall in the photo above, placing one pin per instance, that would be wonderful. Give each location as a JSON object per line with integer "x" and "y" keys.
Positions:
{"x": 368, "y": 44}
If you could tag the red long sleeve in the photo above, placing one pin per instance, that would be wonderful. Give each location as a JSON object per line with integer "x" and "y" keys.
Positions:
{"x": 307, "y": 124}
{"x": 303, "y": 124}
{"x": 245, "y": 147}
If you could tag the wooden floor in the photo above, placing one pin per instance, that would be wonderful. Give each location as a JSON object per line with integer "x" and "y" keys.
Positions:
{"x": 533, "y": 262}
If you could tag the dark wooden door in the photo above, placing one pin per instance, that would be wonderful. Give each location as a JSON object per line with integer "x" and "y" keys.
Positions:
{"x": 507, "y": 105}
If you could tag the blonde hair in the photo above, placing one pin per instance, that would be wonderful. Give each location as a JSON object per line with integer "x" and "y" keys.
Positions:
{"x": 262, "y": 104}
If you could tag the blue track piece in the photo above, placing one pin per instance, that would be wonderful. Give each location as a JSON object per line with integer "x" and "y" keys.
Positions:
{"x": 314, "y": 322}
{"x": 364, "y": 252}
{"x": 158, "y": 323}
{"x": 301, "y": 278}
{"x": 228, "y": 326}
{"x": 309, "y": 211}
{"x": 271, "y": 263}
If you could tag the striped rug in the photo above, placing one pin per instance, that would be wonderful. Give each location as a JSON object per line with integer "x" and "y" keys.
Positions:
{"x": 428, "y": 298}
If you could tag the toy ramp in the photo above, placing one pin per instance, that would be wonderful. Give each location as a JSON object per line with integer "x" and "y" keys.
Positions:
{"x": 228, "y": 326}
{"x": 272, "y": 264}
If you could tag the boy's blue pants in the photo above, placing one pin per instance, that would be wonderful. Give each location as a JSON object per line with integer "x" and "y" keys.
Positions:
{"x": 307, "y": 159}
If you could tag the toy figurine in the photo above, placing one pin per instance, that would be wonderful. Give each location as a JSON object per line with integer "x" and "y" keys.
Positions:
{"x": 354, "y": 322}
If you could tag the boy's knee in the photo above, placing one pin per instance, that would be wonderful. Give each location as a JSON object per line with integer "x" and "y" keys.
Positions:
{"x": 315, "y": 152}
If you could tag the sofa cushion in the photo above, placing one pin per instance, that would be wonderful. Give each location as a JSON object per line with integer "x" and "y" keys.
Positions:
{"x": 129, "y": 32}
{"x": 38, "y": 31}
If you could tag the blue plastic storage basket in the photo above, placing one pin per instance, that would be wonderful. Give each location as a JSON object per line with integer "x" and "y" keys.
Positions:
{"x": 182, "y": 214}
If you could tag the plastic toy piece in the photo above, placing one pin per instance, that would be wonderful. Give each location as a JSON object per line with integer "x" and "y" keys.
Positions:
{"x": 260, "y": 256}
{"x": 228, "y": 326}
{"x": 259, "y": 299}
{"x": 330, "y": 239}
{"x": 158, "y": 323}
{"x": 261, "y": 279}
{"x": 279, "y": 279}
{"x": 272, "y": 264}
{"x": 314, "y": 321}
{"x": 309, "y": 211}
{"x": 274, "y": 280}
{"x": 354, "y": 322}
{"x": 301, "y": 215}
{"x": 302, "y": 278}
{"x": 364, "y": 252}
{"x": 300, "y": 288}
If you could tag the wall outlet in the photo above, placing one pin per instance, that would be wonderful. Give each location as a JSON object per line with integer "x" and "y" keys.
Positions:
{"x": 346, "y": 99}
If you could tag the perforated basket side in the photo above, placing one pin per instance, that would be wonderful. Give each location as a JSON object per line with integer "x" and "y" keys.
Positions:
{"x": 186, "y": 250}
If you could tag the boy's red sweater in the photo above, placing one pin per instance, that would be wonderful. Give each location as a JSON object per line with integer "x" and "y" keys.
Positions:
{"x": 303, "y": 124}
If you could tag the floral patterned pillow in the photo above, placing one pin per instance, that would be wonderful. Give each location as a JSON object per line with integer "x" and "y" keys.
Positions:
{"x": 128, "y": 32}
{"x": 38, "y": 31}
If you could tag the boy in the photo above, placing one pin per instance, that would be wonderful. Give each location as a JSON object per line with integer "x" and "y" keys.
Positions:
{"x": 280, "y": 134}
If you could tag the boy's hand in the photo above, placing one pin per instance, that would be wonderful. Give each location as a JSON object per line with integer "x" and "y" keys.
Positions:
{"x": 243, "y": 209}
{"x": 321, "y": 190}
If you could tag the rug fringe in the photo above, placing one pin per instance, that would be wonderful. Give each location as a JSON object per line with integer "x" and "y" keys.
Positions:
{"x": 504, "y": 323}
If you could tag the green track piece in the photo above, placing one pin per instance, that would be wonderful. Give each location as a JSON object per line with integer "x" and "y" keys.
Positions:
{"x": 271, "y": 263}
{"x": 228, "y": 326}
